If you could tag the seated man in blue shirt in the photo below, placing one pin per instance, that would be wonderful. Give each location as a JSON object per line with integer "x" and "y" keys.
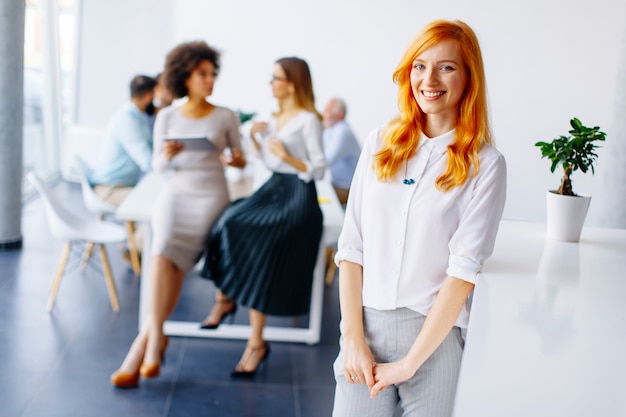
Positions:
{"x": 341, "y": 148}
{"x": 127, "y": 148}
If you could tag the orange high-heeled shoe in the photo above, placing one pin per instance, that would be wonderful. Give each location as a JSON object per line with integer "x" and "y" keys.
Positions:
{"x": 122, "y": 379}
{"x": 152, "y": 370}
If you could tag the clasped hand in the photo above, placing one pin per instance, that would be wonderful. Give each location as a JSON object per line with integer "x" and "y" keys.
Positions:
{"x": 360, "y": 368}
{"x": 386, "y": 374}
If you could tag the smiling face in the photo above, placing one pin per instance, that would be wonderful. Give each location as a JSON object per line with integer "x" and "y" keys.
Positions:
{"x": 201, "y": 80}
{"x": 438, "y": 81}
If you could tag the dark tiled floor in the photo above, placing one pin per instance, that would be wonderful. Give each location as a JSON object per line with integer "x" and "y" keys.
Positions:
{"x": 58, "y": 364}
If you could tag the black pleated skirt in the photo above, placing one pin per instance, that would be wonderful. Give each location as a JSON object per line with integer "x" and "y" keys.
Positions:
{"x": 262, "y": 250}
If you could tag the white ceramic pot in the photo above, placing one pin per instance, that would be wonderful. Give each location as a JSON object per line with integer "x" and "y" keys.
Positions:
{"x": 566, "y": 215}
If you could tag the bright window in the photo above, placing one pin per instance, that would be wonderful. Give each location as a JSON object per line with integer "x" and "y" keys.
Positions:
{"x": 49, "y": 78}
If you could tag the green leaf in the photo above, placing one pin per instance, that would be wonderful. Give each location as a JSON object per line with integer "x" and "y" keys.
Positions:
{"x": 574, "y": 152}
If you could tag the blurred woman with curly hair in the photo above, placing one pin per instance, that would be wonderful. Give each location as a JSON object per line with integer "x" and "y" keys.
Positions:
{"x": 191, "y": 201}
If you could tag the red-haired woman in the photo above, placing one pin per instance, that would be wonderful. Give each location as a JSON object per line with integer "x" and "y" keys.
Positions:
{"x": 262, "y": 250}
{"x": 422, "y": 217}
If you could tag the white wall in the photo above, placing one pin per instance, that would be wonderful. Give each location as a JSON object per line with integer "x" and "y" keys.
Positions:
{"x": 546, "y": 62}
{"x": 118, "y": 40}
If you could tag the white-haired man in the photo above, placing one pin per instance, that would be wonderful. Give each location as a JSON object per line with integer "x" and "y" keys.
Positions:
{"x": 341, "y": 148}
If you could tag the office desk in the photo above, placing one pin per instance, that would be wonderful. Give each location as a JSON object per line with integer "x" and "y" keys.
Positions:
{"x": 138, "y": 206}
{"x": 546, "y": 335}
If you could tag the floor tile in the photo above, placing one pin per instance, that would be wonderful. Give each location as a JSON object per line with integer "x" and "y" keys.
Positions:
{"x": 228, "y": 400}
{"x": 58, "y": 363}
{"x": 314, "y": 365}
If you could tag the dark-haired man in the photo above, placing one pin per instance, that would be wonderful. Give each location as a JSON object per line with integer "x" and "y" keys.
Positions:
{"x": 127, "y": 148}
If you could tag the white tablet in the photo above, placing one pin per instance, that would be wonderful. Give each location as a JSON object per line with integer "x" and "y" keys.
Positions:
{"x": 193, "y": 142}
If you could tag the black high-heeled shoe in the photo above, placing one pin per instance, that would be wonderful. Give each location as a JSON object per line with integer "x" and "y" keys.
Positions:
{"x": 225, "y": 314}
{"x": 242, "y": 374}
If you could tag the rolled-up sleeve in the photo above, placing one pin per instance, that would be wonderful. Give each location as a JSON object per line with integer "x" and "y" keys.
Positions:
{"x": 409, "y": 235}
{"x": 350, "y": 244}
{"x": 474, "y": 239}
{"x": 316, "y": 161}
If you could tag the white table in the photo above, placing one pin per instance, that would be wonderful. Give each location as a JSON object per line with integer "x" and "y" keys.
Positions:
{"x": 138, "y": 207}
{"x": 546, "y": 336}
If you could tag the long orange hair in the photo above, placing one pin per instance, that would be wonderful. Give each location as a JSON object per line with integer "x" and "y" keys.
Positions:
{"x": 297, "y": 72}
{"x": 400, "y": 136}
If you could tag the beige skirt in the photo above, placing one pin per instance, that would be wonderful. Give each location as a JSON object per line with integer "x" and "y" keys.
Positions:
{"x": 184, "y": 214}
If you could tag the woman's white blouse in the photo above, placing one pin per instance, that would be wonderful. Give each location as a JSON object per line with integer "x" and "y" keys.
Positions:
{"x": 302, "y": 136}
{"x": 409, "y": 238}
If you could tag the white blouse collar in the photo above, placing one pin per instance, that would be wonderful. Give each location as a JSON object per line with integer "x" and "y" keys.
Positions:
{"x": 440, "y": 143}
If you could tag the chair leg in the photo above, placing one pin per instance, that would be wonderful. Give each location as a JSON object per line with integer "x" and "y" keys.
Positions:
{"x": 330, "y": 266}
{"x": 59, "y": 275}
{"x": 109, "y": 279}
{"x": 132, "y": 248}
{"x": 87, "y": 255}
{"x": 89, "y": 249}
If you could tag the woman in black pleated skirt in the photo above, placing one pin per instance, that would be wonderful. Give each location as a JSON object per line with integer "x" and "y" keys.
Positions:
{"x": 262, "y": 250}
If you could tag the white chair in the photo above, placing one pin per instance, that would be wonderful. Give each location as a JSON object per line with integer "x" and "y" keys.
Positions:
{"x": 73, "y": 229}
{"x": 101, "y": 208}
{"x": 92, "y": 200}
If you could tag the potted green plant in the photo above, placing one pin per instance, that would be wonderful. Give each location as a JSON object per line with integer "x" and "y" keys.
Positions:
{"x": 566, "y": 210}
